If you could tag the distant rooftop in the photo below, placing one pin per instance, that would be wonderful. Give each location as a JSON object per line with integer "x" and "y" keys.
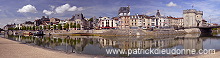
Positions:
{"x": 124, "y": 9}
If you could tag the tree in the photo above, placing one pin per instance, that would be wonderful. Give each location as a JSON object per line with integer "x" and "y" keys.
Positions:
{"x": 37, "y": 28}
{"x": 59, "y": 26}
{"x": 16, "y": 28}
{"x": 44, "y": 27}
{"x": 1, "y": 29}
{"x": 91, "y": 19}
{"x": 41, "y": 27}
{"x": 23, "y": 28}
{"x": 48, "y": 27}
{"x": 66, "y": 26}
{"x": 71, "y": 25}
{"x": 54, "y": 27}
{"x": 34, "y": 27}
{"x": 78, "y": 26}
{"x": 28, "y": 28}
{"x": 74, "y": 25}
{"x": 31, "y": 28}
{"x": 10, "y": 28}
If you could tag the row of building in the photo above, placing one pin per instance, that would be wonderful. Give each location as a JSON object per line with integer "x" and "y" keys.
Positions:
{"x": 191, "y": 18}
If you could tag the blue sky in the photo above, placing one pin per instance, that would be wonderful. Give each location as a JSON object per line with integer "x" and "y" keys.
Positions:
{"x": 19, "y": 11}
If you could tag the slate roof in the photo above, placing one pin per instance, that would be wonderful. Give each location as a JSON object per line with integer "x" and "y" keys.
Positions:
{"x": 124, "y": 10}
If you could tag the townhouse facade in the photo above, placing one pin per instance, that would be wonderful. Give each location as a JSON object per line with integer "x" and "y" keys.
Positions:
{"x": 137, "y": 21}
{"x": 144, "y": 21}
{"x": 124, "y": 22}
{"x": 80, "y": 21}
{"x": 175, "y": 22}
{"x": 107, "y": 22}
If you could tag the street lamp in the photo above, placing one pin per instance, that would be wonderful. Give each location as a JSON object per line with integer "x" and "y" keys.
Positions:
{"x": 210, "y": 19}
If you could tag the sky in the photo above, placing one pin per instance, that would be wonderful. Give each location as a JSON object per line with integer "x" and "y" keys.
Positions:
{"x": 19, "y": 11}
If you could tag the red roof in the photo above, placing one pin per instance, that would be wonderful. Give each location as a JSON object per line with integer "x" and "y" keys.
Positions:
{"x": 124, "y": 16}
{"x": 215, "y": 24}
{"x": 177, "y": 18}
{"x": 174, "y": 18}
{"x": 107, "y": 27}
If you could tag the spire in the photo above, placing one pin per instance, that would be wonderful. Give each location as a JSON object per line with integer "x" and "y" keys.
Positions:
{"x": 158, "y": 13}
{"x": 128, "y": 6}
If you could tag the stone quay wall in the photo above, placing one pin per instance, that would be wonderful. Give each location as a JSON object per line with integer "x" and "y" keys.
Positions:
{"x": 115, "y": 32}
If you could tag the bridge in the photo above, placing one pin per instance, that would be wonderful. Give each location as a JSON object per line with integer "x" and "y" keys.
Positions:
{"x": 203, "y": 29}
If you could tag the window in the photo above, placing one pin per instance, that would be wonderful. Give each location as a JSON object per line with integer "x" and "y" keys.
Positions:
{"x": 112, "y": 23}
{"x": 152, "y": 24}
{"x": 153, "y": 20}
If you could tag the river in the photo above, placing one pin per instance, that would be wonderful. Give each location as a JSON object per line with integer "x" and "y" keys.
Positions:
{"x": 98, "y": 45}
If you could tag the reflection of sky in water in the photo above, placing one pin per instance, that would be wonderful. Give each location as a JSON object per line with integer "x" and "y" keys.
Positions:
{"x": 93, "y": 49}
{"x": 95, "y": 45}
{"x": 211, "y": 44}
{"x": 217, "y": 35}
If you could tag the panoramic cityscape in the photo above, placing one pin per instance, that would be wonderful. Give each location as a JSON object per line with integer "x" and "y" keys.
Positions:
{"x": 126, "y": 28}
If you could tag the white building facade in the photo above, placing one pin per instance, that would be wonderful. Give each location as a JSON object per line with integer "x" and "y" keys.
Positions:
{"x": 107, "y": 22}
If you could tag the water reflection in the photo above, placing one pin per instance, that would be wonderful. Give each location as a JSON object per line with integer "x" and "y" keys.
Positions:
{"x": 96, "y": 45}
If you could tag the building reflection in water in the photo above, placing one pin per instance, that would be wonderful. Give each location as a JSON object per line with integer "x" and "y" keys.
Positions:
{"x": 77, "y": 44}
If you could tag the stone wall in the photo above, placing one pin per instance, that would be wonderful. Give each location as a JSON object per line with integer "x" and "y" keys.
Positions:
{"x": 124, "y": 32}
{"x": 119, "y": 32}
{"x": 135, "y": 32}
{"x": 192, "y": 30}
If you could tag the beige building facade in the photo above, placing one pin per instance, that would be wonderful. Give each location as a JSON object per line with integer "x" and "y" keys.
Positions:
{"x": 192, "y": 18}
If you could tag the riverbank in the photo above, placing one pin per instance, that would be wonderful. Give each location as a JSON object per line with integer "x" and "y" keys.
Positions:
{"x": 13, "y": 49}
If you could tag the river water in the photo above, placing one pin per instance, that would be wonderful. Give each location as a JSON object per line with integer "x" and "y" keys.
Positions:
{"x": 97, "y": 45}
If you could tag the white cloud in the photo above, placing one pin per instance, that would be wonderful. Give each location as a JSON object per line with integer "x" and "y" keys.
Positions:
{"x": 62, "y": 8}
{"x": 67, "y": 7}
{"x": 52, "y": 7}
{"x": 47, "y": 12}
{"x": 80, "y": 9}
{"x": 210, "y": 9}
{"x": 151, "y": 13}
{"x": 171, "y": 4}
{"x": 74, "y": 8}
{"x": 27, "y": 8}
{"x": 36, "y": 18}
